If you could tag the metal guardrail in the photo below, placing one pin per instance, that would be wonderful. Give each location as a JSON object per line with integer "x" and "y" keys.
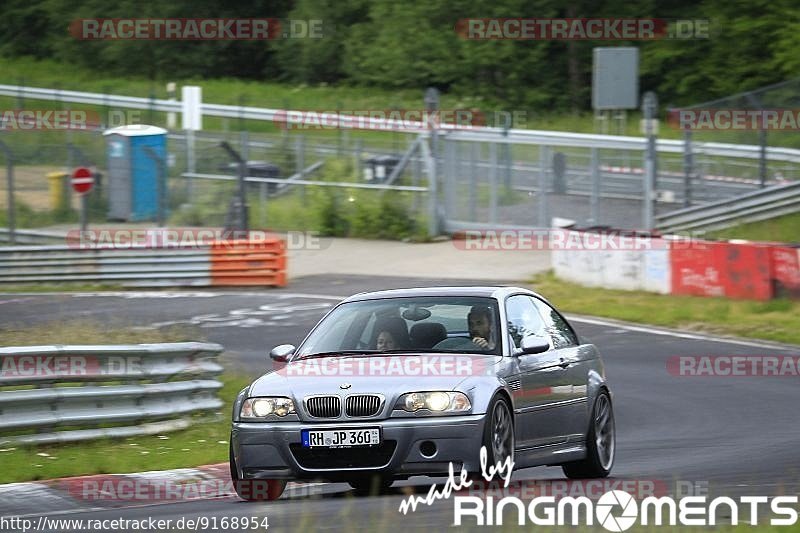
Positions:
{"x": 455, "y": 132}
{"x": 135, "y": 266}
{"x": 751, "y": 207}
{"x": 202, "y": 263}
{"x": 127, "y": 389}
{"x": 26, "y": 236}
{"x": 283, "y": 181}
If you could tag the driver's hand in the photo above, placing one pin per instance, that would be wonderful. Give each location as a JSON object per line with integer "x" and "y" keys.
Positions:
{"x": 480, "y": 341}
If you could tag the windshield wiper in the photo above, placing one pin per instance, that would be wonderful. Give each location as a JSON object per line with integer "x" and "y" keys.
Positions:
{"x": 337, "y": 352}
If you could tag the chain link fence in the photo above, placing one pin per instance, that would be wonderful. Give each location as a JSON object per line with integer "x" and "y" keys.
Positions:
{"x": 344, "y": 182}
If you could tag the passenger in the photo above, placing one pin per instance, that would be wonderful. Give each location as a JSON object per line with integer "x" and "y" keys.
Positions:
{"x": 385, "y": 341}
{"x": 392, "y": 334}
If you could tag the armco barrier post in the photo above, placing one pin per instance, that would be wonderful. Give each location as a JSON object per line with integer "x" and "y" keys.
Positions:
{"x": 10, "y": 191}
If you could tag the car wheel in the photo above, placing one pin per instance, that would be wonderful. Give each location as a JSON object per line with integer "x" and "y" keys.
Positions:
{"x": 372, "y": 485}
{"x": 600, "y": 443}
{"x": 498, "y": 434}
{"x": 255, "y": 490}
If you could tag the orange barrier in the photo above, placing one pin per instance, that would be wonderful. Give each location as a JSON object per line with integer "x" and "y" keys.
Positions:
{"x": 248, "y": 263}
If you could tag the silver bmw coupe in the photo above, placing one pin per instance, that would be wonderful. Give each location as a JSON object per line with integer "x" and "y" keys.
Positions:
{"x": 401, "y": 383}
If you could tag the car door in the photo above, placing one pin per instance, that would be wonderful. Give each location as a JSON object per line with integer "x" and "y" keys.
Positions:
{"x": 537, "y": 403}
{"x": 572, "y": 359}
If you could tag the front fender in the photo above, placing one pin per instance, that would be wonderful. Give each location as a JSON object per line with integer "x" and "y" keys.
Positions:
{"x": 482, "y": 390}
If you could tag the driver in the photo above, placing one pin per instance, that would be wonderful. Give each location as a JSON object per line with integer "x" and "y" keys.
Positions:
{"x": 480, "y": 322}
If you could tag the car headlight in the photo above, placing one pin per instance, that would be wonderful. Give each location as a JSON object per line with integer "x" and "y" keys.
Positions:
{"x": 437, "y": 402}
{"x": 260, "y": 408}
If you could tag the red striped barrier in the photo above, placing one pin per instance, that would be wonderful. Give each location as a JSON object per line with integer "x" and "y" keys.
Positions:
{"x": 248, "y": 263}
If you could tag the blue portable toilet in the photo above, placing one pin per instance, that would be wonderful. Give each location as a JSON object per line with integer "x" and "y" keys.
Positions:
{"x": 133, "y": 175}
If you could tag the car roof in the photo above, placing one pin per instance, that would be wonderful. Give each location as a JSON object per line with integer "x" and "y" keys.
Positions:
{"x": 491, "y": 291}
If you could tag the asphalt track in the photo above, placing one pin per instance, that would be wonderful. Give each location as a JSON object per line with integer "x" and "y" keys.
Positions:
{"x": 734, "y": 436}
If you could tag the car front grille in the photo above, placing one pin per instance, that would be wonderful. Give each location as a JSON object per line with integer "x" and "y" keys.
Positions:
{"x": 362, "y": 405}
{"x": 324, "y": 406}
{"x": 338, "y": 458}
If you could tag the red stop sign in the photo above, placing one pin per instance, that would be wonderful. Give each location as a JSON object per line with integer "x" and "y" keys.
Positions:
{"x": 82, "y": 180}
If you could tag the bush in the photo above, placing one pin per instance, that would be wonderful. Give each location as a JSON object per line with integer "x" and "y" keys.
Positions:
{"x": 330, "y": 221}
{"x": 329, "y": 211}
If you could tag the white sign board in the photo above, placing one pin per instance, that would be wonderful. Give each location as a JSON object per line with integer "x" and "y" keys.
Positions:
{"x": 191, "y": 99}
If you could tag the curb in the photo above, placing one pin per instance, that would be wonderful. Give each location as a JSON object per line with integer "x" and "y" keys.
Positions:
{"x": 114, "y": 491}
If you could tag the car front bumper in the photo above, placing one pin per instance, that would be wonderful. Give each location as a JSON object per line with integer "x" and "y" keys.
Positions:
{"x": 273, "y": 450}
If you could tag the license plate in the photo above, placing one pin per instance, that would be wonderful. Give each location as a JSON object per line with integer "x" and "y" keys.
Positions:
{"x": 340, "y": 438}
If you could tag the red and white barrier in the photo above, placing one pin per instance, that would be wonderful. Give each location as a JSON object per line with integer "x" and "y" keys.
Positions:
{"x": 736, "y": 269}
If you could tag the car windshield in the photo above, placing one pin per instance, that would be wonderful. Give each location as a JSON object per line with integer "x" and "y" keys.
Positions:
{"x": 457, "y": 324}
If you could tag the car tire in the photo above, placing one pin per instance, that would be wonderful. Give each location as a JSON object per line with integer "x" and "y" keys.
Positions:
{"x": 600, "y": 443}
{"x": 254, "y": 490}
{"x": 498, "y": 433}
{"x": 372, "y": 485}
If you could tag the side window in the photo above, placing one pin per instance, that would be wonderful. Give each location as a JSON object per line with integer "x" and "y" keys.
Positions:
{"x": 523, "y": 319}
{"x": 560, "y": 332}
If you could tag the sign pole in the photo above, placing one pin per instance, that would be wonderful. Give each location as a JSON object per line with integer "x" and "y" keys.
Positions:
{"x": 649, "y": 109}
{"x": 84, "y": 204}
{"x": 82, "y": 182}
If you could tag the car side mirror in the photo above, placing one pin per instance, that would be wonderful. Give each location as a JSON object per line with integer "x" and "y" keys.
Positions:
{"x": 532, "y": 344}
{"x": 281, "y": 353}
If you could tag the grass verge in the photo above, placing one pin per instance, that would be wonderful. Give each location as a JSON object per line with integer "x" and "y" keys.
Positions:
{"x": 782, "y": 229}
{"x": 776, "y": 320}
{"x": 89, "y": 332}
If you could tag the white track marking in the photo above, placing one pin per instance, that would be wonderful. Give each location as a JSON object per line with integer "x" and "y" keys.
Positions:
{"x": 654, "y": 330}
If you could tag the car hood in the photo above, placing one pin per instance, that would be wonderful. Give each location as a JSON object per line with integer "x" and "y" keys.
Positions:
{"x": 388, "y": 375}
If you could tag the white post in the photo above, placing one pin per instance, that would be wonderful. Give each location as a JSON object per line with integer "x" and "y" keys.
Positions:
{"x": 171, "y": 119}
{"x": 192, "y": 120}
